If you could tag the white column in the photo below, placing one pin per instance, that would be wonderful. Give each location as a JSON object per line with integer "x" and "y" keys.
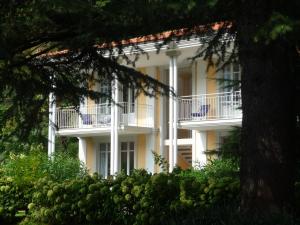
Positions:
{"x": 173, "y": 53}
{"x": 162, "y": 126}
{"x": 116, "y": 126}
{"x": 82, "y": 150}
{"x": 114, "y": 137}
{"x": 171, "y": 120}
{"x": 51, "y": 125}
{"x": 175, "y": 109}
{"x": 199, "y": 148}
{"x": 112, "y": 132}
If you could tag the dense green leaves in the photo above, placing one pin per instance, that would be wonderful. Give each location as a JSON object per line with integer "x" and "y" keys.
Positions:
{"x": 27, "y": 168}
{"x": 137, "y": 199}
{"x": 30, "y": 31}
{"x": 20, "y": 172}
{"x": 209, "y": 196}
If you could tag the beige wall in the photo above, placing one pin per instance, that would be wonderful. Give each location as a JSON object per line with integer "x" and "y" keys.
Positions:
{"x": 91, "y": 85}
{"x": 90, "y": 156}
{"x": 141, "y": 101}
{"x": 211, "y": 145}
{"x": 184, "y": 82}
{"x": 157, "y": 121}
{"x": 141, "y": 151}
{"x": 211, "y": 83}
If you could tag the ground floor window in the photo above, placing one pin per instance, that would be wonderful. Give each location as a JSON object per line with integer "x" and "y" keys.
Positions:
{"x": 127, "y": 157}
{"x": 104, "y": 160}
{"x": 126, "y": 160}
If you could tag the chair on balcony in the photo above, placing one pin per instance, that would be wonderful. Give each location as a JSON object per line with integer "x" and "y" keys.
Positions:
{"x": 87, "y": 119}
{"x": 103, "y": 119}
{"x": 203, "y": 110}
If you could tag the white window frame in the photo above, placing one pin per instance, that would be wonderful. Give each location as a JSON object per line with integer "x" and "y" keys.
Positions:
{"x": 131, "y": 101}
{"x": 107, "y": 153}
{"x": 232, "y": 75}
{"x": 128, "y": 150}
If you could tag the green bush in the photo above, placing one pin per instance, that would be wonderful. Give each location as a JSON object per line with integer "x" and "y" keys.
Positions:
{"x": 13, "y": 197}
{"x": 206, "y": 196}
{"x": 36, "y": 164}
{"x": 141, "y": 198}
{"x": 219, "y": 181}
{"x": 20, "y": 172}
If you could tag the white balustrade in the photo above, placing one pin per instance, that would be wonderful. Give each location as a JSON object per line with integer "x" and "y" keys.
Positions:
{"x": 226, "y": 105}
{"x": 99, "y": 115}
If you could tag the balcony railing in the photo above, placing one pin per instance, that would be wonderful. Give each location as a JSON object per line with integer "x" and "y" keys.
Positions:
{"x": 216, "y": 106}
{"x": 99, "y": 115}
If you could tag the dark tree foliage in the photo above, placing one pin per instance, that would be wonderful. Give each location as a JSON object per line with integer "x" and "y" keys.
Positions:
{"x": 263, "y": 36}
{"x": 58, "y": 46}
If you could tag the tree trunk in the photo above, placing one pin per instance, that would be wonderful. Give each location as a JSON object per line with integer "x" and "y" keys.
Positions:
{"x": 269, "y": 121}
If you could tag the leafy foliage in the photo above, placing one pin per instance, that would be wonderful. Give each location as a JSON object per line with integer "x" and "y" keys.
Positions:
{"x": 140, "y": 198}
{"x": 45, "y": 48}
{"x": 36, "y": 164}
{"x": 161, "y": 161}
{"x": 231, "y": 148}
{"x": 13, "y": 197}
{"x": 21, "y": 171}
{"x": 209, "y": 196}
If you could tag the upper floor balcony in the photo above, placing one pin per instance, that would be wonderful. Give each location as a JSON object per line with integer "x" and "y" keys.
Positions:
{"x": 210, "y": 111}
{"x": 96, "y": 119}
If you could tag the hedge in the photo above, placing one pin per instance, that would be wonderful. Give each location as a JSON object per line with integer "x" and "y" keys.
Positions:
{"x": 141, "y": 198}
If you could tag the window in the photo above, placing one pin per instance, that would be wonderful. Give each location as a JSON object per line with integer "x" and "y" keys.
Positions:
{"x": 104, "y": 109}
{"x": 105, "y": 88}
{"x": 104, "y": 160}
{"x": 230, "y": 77}
{"x": 128, "y": 99}
{"x": 127, "y": 157}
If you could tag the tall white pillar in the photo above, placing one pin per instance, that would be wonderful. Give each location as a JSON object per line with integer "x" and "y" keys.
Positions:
{"x": 112, "y": 132}
{"x": 51, "y": 125}
{"x": 114, "y": 137}
{"x": 162, "y": 127}
{"x": 175, "y": 109}
{"x": 171, "y": 119}
{"x": 116, "y": 126}
{"x": 198, "y": 148}
{"x": 82, "y": 150}
{"x": 173, "y": 53}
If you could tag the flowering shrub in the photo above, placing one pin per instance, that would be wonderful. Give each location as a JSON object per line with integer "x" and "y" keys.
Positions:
{"x": 140, "y": 198}
{"x": 20, "y": 172}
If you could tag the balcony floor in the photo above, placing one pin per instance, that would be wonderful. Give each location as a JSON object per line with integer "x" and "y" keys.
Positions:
{"x": 102, "y": 131}
{"x": 217, "y": 124}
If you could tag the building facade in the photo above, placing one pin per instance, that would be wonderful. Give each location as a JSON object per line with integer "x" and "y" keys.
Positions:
{"x": 186, "y": 129}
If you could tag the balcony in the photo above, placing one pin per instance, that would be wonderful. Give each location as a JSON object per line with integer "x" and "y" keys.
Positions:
{"x": 96, "y": 119}
{"x": 210, "y": 111}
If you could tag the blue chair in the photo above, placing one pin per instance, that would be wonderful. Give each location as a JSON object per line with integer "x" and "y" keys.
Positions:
{"x": 203, "y": 110}
{"x": 87, "y": 119}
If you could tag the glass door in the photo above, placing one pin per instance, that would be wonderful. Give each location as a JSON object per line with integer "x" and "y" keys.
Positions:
{"x": 127, "y": 157}
{"x": 128, "y": 103}
{"x": 103, "y": 165}
{"x": 229, "y": 87}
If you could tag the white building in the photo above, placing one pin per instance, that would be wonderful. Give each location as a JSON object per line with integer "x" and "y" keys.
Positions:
{"x": 185, "y": 129}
